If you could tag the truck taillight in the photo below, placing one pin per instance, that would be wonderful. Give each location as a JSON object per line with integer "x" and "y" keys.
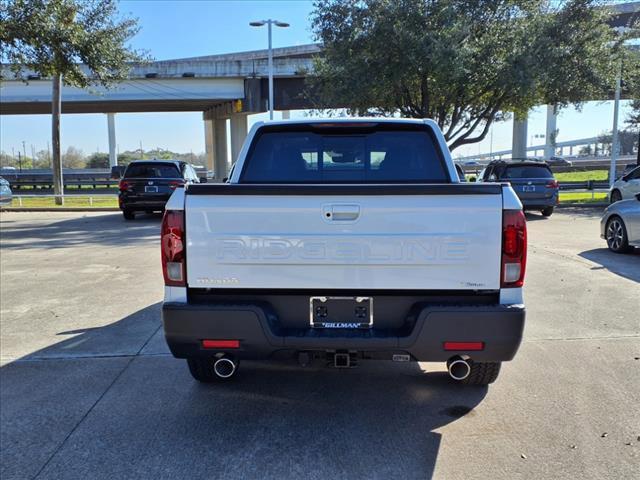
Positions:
{"x": 514, "y": 248}
{"x": 124, "y": 185}
{"x": 172, "y": 248}
{"x": 553, "y": 184}
{"x": 173, "y": 184}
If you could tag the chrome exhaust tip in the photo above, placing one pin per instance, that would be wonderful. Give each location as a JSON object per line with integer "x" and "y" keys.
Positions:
{"x": 459, "y": 367}
{"x": 225, "y": 367}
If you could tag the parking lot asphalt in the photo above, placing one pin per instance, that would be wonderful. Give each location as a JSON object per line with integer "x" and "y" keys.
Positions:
{"x": 88, "y": 389}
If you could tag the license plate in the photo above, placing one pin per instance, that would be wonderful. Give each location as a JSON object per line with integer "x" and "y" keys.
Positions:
{"x": 151, "y": 189}
{"x": 341, "y": 312}
{"x": 528, "y": 188}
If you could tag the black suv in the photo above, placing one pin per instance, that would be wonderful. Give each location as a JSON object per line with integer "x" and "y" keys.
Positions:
{"x": 532, "y": 180}
{"x": 147, "y": 184}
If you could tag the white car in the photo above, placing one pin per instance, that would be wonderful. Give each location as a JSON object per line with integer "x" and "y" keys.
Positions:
{"x": 620, "y": 225}
{"x": 5, "y": 192}
{"x": 338, "y": 241}
{"x": 626, "y": 187}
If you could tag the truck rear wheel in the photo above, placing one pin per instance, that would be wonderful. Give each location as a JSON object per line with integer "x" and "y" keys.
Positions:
{"x": 128, "y": 214}
{"x": 546, "y": 212}
{"x": 482, "y": 373}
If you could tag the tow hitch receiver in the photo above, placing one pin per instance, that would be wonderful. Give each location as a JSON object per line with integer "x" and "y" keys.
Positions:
{"x": 344, "y": 360}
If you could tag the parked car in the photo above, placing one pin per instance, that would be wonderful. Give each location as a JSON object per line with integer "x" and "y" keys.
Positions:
{"x": 626, "y": 186}
{"x": 117, "y": 171}
{"x": 472, "y": 163}
{"x": 532, "y": 181}
{"x": 620, "y": 225}
{"x": 147, "y": 185}
{"x": 339, "y": 241}
{"x": 628, "y": 167}
{"x": 6, "y": 196}
{"x": 559, "y": 162}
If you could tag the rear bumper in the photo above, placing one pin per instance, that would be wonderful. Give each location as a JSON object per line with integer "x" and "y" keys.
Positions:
{"x": 500, "y": 327}
{"x": 539, "y": 203}
{"x": 142, "y": 202}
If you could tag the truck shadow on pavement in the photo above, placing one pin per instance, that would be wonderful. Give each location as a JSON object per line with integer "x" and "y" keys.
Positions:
{"x": 98, "y": 406}
{"x": 626, "y": 265}
{"x": 106, "y": 230}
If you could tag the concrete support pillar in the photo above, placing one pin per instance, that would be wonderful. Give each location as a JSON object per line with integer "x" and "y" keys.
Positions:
{"x": 239, "y": 125}
{"x": 210, "y": 142}
{"x": 113, "y": 155}
{"x": 221, "y": 164}
{"x": 519, "y": 139}
{"x": 552, "y": 132}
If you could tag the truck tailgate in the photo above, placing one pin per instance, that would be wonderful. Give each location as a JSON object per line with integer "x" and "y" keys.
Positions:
{"x": 404, "y": 237}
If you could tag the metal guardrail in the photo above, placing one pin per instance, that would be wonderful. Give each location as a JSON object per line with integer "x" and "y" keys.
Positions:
{"x": 588, "y": 185}
{"x": 45, "y": 180}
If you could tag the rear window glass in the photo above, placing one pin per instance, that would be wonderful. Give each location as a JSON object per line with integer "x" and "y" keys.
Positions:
{"x": 344, "y": 156}
{"x": 150, "y": 170}
{"x": 527, "y": 171}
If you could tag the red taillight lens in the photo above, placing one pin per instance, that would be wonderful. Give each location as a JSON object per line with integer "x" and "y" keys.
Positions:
{"x": 464, "y": 346}
{"x": 553, "y": 184}
{"x": 172, "y": 248}
{"x": 175, "y": 184}
{"x": 514, "y": 248}
{"x": 124, "y": 185}
{"x": 220, "y": 343}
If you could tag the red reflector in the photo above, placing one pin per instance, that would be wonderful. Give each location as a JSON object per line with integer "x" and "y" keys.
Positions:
{"x": 220, "y": 343}
{"x": 464, "y": 345}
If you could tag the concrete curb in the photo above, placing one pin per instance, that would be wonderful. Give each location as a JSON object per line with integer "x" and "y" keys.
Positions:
{"x": 59, "y": 209}
{"x": 584, "y": 205}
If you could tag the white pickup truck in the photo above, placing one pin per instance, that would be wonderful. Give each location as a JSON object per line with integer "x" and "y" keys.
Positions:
{"x": 340, "y": 241}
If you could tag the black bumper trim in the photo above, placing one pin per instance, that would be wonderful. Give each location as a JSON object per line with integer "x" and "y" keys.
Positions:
{"x": 500, "y": 327}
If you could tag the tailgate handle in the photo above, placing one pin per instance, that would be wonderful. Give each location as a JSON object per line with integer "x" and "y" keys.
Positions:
{"x": 341, "y": 213}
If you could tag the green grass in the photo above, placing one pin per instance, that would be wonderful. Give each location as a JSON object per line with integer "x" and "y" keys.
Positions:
{"x": 582, "y": 176}
{"x": 583, "y": 197}
{"x": 69, "y": 201}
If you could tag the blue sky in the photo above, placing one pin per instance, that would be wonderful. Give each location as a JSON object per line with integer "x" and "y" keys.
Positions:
{"x": 174, "y": 29}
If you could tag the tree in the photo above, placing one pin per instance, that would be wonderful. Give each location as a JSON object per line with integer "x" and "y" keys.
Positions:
{"x": 73, "y": 158}
{"x": 628, "y": 140}
{"x": 78, "y": 42}
{"x": 462, "y": 63}
{"x": 98, "y": 160}
{"x": 633, "y": 119}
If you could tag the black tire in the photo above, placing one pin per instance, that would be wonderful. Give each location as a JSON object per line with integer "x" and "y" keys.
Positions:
{"x": 616, "y": 196}
{"x": 128, "y": 215}
{"x": 546, "y": 212}
{"x": 616, "y": 235}
{"x": 482, "y": 373}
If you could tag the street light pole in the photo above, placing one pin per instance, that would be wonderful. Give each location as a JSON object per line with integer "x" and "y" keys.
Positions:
{"x": 269, "y": 24}
{"x": 614, "y": 137}
{"x": 270, "y": 74}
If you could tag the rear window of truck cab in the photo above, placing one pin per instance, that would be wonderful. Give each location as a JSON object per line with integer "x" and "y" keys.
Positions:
{"x": 344, "y": 154}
